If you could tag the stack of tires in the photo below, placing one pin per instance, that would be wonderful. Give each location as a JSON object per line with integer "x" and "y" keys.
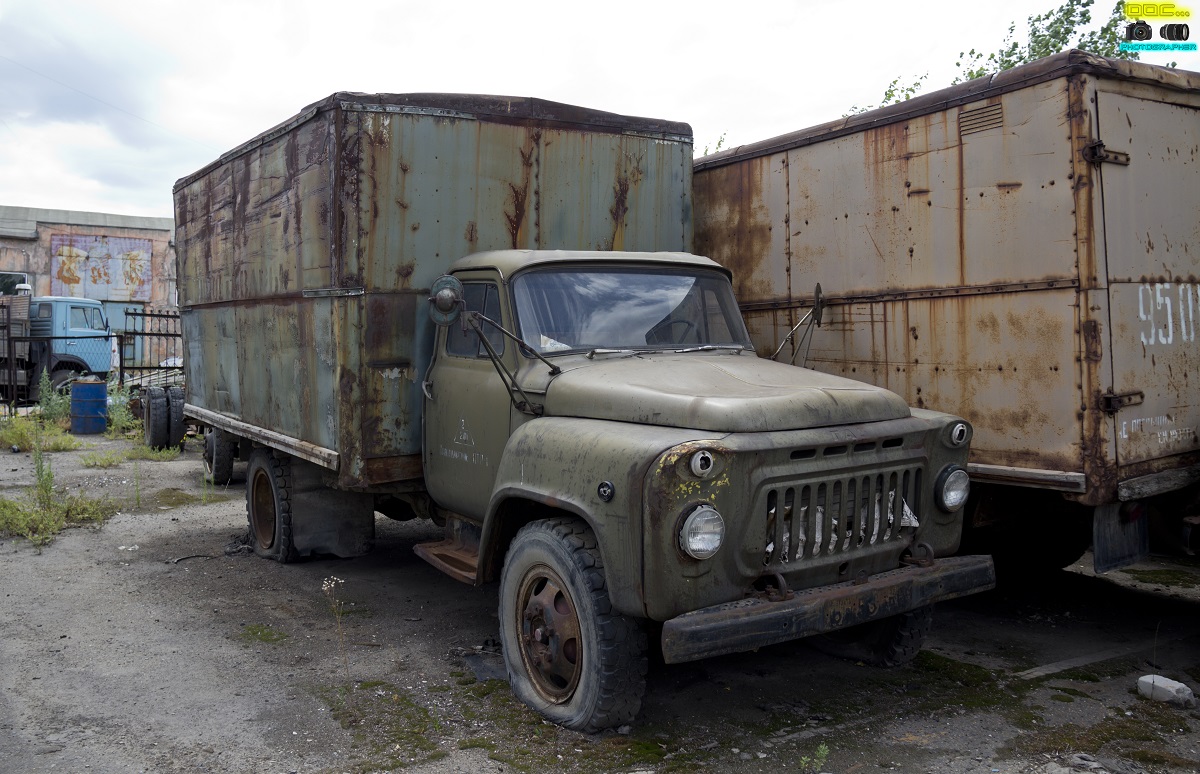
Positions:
{"x": 162, "y": 417}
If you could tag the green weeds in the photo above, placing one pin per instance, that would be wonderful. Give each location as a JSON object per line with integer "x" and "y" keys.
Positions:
{"x": 153, "y": 455}
{"x": 55, "y": 406}
{"x": 105, "y": 459}
{"x": 44, "y": 511}
{"x": 121, "y": 421}
{"x": 22, "y": 432}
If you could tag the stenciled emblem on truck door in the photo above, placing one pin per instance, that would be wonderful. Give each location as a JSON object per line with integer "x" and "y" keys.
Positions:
{"x": 463, "y": 438}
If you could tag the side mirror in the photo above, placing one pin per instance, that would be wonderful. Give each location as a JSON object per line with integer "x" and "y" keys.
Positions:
{"x": 818, "y": 305}
{"x": 445, "y": 300}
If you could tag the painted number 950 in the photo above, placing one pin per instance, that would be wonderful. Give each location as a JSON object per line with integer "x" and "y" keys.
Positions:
{"x": 1163, "y": 307}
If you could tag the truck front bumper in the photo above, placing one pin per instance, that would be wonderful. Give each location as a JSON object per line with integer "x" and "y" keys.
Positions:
{"x": 751, "y": 623}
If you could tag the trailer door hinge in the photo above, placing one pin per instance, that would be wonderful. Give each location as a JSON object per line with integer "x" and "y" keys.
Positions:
{"x": 1097, "y": 154}
{"x": 1112, "y": 402}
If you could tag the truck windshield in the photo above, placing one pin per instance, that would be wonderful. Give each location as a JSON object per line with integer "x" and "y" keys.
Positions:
{"x": 586, "y": 308}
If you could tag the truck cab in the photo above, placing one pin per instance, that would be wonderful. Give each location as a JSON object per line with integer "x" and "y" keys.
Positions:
{"x": 61, "y": 337}
{"x": 601, "y": 437}
{"x": 77, "y": 337}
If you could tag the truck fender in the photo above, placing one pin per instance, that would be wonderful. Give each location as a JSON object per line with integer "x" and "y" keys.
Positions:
{"x": 587, "y": 468}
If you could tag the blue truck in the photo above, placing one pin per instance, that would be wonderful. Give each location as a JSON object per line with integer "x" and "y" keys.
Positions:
{"x": 65, "y": 338}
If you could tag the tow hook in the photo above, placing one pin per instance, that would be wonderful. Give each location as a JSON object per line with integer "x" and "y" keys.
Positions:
{"x": 780, "y": 591}
{"x": 922, "y": 556}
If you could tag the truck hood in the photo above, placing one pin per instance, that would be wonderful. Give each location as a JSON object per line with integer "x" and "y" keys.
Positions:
{"x": 720, "y": 392}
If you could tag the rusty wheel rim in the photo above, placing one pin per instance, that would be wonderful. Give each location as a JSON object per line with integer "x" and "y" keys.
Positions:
{"x": 551, "y": 645}
{"x": 262, "y": 503}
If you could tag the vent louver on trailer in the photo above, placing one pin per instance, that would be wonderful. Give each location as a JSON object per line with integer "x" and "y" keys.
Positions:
{"x": 980, "y": 119}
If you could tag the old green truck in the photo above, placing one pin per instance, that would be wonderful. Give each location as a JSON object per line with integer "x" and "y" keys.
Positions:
{"x": 481, "y": 311}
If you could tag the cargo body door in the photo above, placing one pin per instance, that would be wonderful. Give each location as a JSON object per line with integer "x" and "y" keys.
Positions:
{"x": 1150, "y": 180}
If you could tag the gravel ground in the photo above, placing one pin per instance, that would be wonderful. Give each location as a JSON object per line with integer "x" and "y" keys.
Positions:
{"x": 156, "y": 643}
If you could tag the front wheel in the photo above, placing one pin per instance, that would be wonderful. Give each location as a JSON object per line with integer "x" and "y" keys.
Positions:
{"x": 569, "y": 655}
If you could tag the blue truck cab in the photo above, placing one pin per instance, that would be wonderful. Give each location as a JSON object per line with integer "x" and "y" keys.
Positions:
{"x": 64, "y": 338}
{"x": 77, "y": 336}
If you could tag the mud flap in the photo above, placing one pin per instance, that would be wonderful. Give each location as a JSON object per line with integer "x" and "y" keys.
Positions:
{"x": 1120, "y": 535}
{"x": 328, "y": 521}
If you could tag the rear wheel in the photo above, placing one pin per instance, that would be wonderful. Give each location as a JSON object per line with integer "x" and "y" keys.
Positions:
{"x": 890, "y": 642}
{"x": 219, "y": 450}
{"x": 269, "y": 505}
{"x": 155, "y": 417}
{"x": 569, "y": 655}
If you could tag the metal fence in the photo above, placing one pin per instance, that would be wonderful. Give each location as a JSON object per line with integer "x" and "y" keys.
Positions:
{"x": 149, "y": 352}
{"x": 151, "y": 348}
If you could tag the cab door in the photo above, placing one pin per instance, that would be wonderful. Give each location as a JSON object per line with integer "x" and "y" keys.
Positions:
{"x": 86, "y": 337}
{"x": 467, "y": 405}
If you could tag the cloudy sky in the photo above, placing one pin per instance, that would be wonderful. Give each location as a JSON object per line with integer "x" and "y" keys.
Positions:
{"x": 103, "y": 105}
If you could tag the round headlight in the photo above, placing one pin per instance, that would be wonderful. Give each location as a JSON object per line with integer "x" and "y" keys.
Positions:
{"x": 953, "y": 486}
{"x": 702, "y": 533}
{"x": 703, "y": 464}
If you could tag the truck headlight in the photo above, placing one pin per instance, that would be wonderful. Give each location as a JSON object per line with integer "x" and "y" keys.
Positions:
{"x": 953, "y": 486}
{"x": 702, "y": 532}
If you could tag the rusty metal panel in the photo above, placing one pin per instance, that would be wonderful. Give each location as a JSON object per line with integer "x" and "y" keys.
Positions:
{"x": 1152, "y": 234}
{"x": 1004, "y": 361}
{"x": 306, "y": 254}
{"x": 942, "y": 289}
{"x": 744, "y": 226}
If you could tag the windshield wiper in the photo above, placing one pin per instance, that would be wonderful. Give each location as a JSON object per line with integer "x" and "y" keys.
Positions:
{"x": 711, "y": 347}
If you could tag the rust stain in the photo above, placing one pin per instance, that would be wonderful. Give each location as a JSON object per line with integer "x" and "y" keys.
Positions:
{"x": 734, "y": 228}
{"x": 518, "y": 193}
{"x": 516, "y": 217}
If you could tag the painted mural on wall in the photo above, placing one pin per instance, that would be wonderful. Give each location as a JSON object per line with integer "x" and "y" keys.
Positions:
{"x": 100, "y": 267}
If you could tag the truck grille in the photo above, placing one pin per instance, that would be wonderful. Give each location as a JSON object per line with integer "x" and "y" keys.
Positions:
{"x": 840, "y": 515}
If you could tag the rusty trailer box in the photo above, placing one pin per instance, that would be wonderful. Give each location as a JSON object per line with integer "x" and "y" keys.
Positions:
{"x": 1022, "y": 250}
{"x": 322, "y": 236}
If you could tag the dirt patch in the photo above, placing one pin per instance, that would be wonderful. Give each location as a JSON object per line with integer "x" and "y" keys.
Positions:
{"x": 157, "y": 642}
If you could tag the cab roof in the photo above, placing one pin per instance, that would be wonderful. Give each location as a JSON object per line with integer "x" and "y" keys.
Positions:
{"x": 509, "y": 262}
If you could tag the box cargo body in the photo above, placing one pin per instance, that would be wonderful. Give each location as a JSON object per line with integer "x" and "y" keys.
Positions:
{"x": 1022, "y": 250}
{"x": 323, "y": 235}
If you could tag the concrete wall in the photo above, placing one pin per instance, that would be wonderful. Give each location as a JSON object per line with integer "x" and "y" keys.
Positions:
{"x": 115, "y": 258}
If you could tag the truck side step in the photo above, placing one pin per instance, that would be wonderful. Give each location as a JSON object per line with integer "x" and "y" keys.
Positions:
{"x": 457, "y": 556}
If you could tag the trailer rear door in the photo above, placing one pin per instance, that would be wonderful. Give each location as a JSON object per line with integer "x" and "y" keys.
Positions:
{"x": 1151, "y": 211}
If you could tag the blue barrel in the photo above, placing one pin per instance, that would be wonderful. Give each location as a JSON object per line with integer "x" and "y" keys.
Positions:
{"x": 89, "y": 407}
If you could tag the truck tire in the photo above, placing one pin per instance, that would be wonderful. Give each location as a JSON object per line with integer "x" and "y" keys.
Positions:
{"x": 889, "y": 642}
{"x": 60, "y": 380}
{"x": 175, "y": 426}
{"x": 155, "y": 417}
{"x": 219, "y": 450}
{"x": 568, "y": 654}
{"x": 269, "y": 505}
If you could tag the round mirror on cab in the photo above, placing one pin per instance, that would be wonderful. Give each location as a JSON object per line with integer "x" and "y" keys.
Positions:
{"x": 818, "y": 305}
{"x": 445, "y": 300}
